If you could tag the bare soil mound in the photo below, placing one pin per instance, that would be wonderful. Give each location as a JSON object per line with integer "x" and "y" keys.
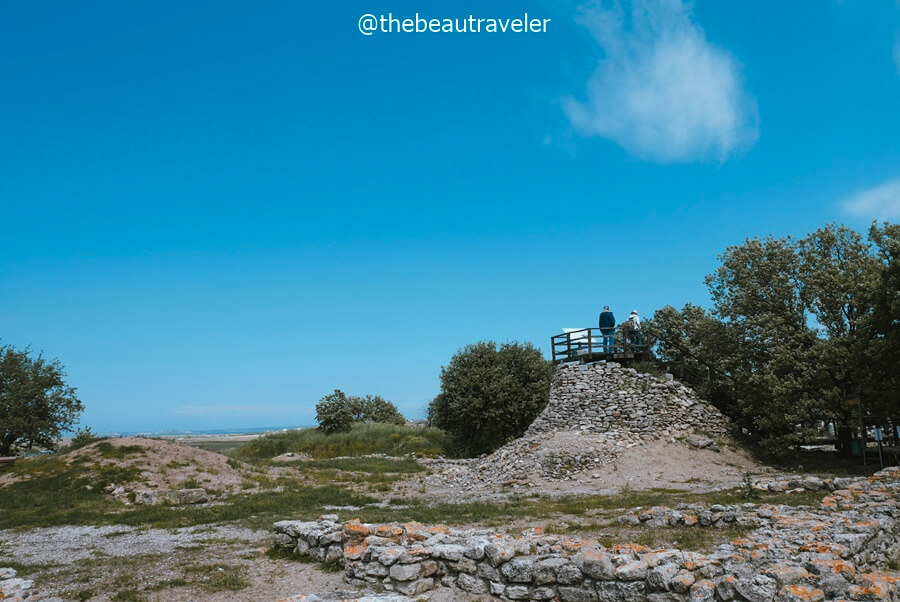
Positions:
{"x": 163, "y": 465}
{"x": 571, "y": 462}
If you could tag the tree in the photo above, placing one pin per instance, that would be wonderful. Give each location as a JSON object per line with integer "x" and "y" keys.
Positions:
{"x": 882, "y": 327}
{"x": 783, "y": 388}
{"x": 490, "y": 394}
{"x": 338, "y": 411}
{"x": 36, "y": 404}
{"x": 334, "y": 413}
{"x": 695, "y": 347}
{"x": 797, "y": 326}
{"x": 374, "y": 408}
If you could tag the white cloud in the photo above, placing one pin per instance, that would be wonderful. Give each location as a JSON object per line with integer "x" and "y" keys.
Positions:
{"x": 662, "y": 91}
{"x": 881, "y": 202}
{"x": 232, "y": 409}
{"x": 897, "y": 51}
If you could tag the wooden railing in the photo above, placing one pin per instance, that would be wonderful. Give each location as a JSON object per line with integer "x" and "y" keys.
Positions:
{"x": 591, "y": 344}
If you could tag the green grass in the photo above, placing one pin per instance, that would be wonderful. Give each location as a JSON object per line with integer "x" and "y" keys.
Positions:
{"x": 371, "y": 465}
{"x": 494, "y": 513}
{"x": 118, "y": 452}
{"x": 217, "y": 578}
{"x": 219, "y": 447}
{"x": 57, "y": 494}
{"x": 363, "y": 439}
{"x": 60, "y": 493}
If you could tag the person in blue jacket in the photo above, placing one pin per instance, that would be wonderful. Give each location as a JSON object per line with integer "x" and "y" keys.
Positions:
{"x": 607, "y": 324}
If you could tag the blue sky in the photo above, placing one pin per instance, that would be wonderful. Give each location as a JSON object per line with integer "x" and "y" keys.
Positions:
{"x": 215, "y": 213}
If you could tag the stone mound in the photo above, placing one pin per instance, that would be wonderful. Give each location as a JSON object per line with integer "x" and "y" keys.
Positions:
{"x": 601, "y": 416}
{"x": 625, "y": 404}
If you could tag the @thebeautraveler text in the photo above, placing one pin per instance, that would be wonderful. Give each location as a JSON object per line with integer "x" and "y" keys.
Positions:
{"x": 370, "y": 23}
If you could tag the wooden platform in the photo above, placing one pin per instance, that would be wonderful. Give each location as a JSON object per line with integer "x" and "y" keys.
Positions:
{"x": 586, "y": 345}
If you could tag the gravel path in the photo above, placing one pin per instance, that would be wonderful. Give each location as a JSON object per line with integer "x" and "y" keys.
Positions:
{"x": 65, "y": 545}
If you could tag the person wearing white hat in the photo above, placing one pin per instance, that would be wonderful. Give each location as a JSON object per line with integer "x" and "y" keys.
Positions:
{"x": 634, "y": 330}
{"x": 635, "y": 319}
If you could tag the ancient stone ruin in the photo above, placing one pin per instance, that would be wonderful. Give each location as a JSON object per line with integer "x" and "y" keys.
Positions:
{"x": 595, "y": 413}
{"x": 829, "y": 553}
{"x": 625, "y": 404}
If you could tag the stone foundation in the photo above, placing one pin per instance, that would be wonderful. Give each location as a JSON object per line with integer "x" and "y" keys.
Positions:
{"x": 828, "y": 553}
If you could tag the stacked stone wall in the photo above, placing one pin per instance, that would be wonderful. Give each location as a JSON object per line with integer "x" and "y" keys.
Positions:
{"x": 606, "y": 397}
{"x": 828, "y": 553}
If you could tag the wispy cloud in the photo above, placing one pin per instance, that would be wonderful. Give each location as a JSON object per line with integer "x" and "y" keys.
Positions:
{"x": 897, "y": 51}
{"x": 662, "y": 91}
{"x": 234, "y": 410}
{"x": 881, "y": 202}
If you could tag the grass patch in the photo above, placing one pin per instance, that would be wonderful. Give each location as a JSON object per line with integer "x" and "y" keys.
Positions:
{"x": 288, "y": 554}
{"x": 362, "y": 439}
{"x": 83, "y": 595}
{"x": 128, "y": 595}
{"x": 117, "y": 452}
{"x": 54, "y": 492}
{"x": 217, "y": 578}
{"x": 219, "y": 447}
{"x": 493, "y": 513}
{"x": 371, "y": 465}
{"x": 61, "y": 493}
{"x": 24, "y": 570}
{"x": 176, "y": 582}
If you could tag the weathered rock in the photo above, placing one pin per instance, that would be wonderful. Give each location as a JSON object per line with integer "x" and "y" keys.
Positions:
{"x": 518, "y": 570}
{"x": 474, "y": 585}
{"x": 405, "y": 572}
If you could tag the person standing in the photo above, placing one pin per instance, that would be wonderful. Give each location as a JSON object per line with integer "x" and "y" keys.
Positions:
{"x": 634, "y": 323}
{"x": 607, "y": 324}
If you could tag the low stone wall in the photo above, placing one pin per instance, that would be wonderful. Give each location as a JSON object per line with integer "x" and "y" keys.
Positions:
{"x": 827, "y": 553}
{"x": 605, "y": 397}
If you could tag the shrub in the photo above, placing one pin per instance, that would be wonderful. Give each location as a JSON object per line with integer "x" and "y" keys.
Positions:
{"x": 334, "y": 413}
{"x": 362, "y": 439}
{"x": 490, "y": 395}
{"x": 374, "y": 408}
{"x": 337, "y": 411}
{"x": 83, "y": 436}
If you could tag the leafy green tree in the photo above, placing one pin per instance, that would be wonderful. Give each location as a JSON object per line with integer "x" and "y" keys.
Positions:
{"x": 334, "y": 413}
{"x": 796, "y": 327}
{"x": 337, "y": 411}
{"x": 695, "y": 347}
{"x": 782, "y": 388}
{"x": 374, "y": 408}
{"x": 36, "y": 404}
{"x": 882, "y": 328}
{"x": 490, "y": 394}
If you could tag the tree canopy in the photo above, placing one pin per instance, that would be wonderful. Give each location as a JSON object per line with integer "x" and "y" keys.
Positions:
{"x": 336, "y": 412}
{"x": 490, "y": 394}
{"x": 797, "y": 326}
{"x": 36, "y": 404}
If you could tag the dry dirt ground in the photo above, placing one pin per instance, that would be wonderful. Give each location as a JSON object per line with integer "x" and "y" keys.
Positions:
{"x": 657, "y": 464}
{"x": 182, "y": 565}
